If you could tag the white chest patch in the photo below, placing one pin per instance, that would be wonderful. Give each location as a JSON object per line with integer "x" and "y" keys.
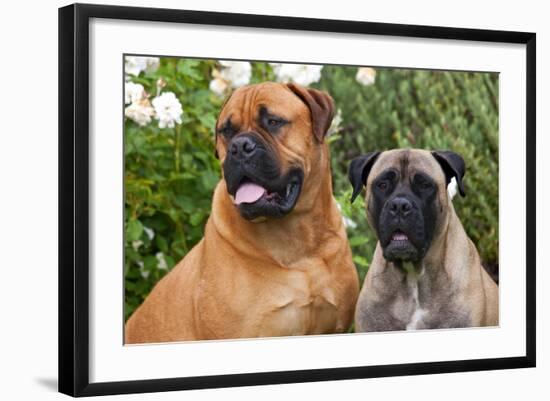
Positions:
{"x": 416, "y": 318}
{"x": 418, "y": 313}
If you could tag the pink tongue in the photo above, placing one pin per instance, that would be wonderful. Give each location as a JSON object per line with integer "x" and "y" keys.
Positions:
{"x": 249, "y": 193}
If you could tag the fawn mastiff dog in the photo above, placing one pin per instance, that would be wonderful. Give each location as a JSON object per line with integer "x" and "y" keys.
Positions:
{"x": 274, "y": 260}
{"x": 425, "y": 273}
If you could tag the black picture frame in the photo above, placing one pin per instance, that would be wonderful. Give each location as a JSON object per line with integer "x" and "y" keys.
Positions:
{"x": 74, "y": 198}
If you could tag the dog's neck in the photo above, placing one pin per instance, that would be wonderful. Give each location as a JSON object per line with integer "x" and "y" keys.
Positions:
{"x": 281, "y": 240}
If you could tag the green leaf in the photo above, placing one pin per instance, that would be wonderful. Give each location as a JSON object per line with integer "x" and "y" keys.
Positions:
{"x": 208, "y": 120}
{"x": 188, "y": 68}
{"x": 358, "y": 240}
{"x": 134, "y": 229}
{"x": 195, "y": 219}
{"x": 210, "y": 179}
{"x": 360, "y": 260}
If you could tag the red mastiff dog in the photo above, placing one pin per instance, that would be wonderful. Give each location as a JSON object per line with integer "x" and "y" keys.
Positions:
{"x": 275, "y": 259}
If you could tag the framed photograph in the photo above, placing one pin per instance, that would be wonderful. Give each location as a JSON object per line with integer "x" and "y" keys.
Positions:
{"x": 251, "y": 199}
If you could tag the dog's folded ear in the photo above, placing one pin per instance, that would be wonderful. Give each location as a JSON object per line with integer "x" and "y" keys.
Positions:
{"x": 359, "y": 170}
{"x": 453, "y": 166}
{"x": 321, "y": 107}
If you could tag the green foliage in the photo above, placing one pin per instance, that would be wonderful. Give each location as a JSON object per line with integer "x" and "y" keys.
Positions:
{"x": 170, "y": 173}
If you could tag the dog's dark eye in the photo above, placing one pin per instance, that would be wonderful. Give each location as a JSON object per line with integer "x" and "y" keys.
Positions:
{"x": 385, "y": 181}
{"x": 274, "y": 123}
{"x": 269, "y": 121}
{"x": 423, "y": 183}
{"x": 227, "y": 130}
{"x": 382, "y": 185}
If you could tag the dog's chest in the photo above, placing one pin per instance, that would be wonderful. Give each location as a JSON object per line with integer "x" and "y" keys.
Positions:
{"x": 417, "y": 313}
{"x": 426, "y": 304}
{"x": 408, "y": 305}
{"x": 308, "y": 304}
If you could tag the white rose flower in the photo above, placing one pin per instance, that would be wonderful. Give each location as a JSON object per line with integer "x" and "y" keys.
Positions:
{"x": 452, "y": 188}
{"x": 366, "y": 76}
{"x": 349, "y": 222}
{"x": 150, "y": 233}
{"x": 161, "y": 262}
{"x": 144, "y": 273}
{"x": 218, "y": 86}
{"x": 140, "y": 112}
{"x": 236, "y": 73}
{"x": 335, "y": 126}
{"x": 302, "y": 74}
{"x": 133, "y": 92}
{"x": 168, "y": 110}
{"x": 152, "y": 64}
{"x": 133, "y": 65}
{"x": 232, "y": 75}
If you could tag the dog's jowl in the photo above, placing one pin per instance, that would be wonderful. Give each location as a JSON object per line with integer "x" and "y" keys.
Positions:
{"x": 274, "y": 260}
{"x": 425, "y": 273}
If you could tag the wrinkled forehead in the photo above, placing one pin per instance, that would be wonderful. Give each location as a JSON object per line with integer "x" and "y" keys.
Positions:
{"x": 408, "y": 162}
{"x": 275, "y": 98}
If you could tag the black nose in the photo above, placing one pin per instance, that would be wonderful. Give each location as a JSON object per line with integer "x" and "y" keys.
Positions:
{"x": 400, "y": 206}
{"x": 242, "y": 147}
